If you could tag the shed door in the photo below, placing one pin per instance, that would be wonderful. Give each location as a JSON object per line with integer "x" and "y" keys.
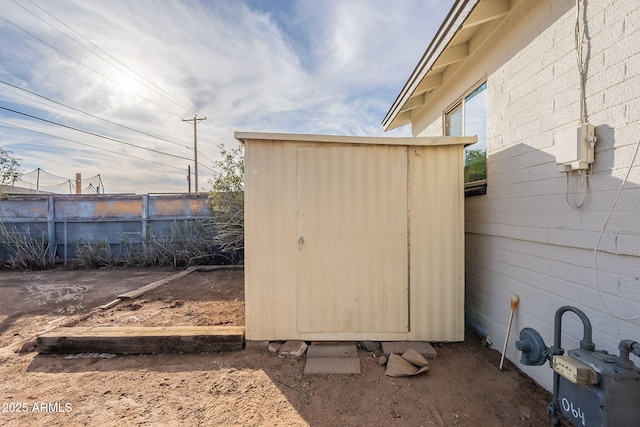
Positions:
{"x": 352, "y": 264}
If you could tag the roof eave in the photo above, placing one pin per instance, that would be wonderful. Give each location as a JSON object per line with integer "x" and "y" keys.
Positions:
{"x": 459, "y": 12}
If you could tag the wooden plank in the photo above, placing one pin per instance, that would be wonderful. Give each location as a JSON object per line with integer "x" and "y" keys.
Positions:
{"x": 427, "y": 84}
{"x": 124, "y": 331}
{"x": 139, "y": 340}
{"x": 157, "y": 284}
{"x": 147, "y": 288}
{"x": 111, "y": 304}
{"x": 487, "y": 11}
{"x": 413, "y": 103}
{"x": 451, "y": 55}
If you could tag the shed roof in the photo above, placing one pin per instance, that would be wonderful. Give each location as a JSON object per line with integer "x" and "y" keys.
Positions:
{"x": 463, "y": 31}
{"x": 336, "y": 139}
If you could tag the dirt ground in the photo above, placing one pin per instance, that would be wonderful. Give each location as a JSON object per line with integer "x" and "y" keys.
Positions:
{"x": 250, "y": 387}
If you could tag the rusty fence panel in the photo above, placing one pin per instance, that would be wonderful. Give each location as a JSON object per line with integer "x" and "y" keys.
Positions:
{"x": 65, "y": 222}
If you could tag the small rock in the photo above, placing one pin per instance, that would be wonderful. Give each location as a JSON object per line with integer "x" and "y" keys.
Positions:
{"x": 369, "y": 345}
{"x": 382, "y": 360}
{"x": 294, "y": 348}
{"x": 525, "y": 413}
{"x": 28, "y": 347}
{"x": 274, "y": 346}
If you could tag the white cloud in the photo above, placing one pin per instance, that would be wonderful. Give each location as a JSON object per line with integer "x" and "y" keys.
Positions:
{"x": 313, "y": 67}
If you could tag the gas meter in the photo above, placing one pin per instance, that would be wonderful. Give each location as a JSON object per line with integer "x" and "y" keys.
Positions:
{"x": 591, "y": 388}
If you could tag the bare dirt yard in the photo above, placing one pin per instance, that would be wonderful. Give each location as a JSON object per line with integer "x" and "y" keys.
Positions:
{"x": 250, "y": 387}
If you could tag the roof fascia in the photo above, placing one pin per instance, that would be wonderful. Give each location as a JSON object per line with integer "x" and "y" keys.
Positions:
{"x": 242, "y": 137}
{"x": 459, "y": 12}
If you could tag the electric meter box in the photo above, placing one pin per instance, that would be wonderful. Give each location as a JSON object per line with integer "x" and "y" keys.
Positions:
{"x": 575, "y": 148}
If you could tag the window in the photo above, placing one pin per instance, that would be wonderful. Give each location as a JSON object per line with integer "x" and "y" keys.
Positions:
{"x": 468, "y": 117}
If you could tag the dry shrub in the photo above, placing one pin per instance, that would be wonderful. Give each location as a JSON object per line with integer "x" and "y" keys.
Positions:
{"x": 26, "y": 250}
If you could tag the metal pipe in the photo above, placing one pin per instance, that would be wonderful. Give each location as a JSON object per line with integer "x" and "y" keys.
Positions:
{"x": 626, "y": 347}
{"x": 586, "y": 344}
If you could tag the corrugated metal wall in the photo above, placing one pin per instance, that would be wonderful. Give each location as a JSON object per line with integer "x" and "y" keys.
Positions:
{"x": 352, "y": 260}
{"x": 348, "y": 240}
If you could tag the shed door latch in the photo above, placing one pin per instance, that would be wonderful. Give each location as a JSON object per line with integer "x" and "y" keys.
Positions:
{"x": 300, "y": 242}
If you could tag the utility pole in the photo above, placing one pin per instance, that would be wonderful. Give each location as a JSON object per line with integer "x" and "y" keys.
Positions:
{"x": 195, "y": 121}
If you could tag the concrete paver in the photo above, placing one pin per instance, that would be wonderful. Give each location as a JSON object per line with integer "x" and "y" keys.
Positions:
{"x": 340, "y": 350}
{"x": 332, "y": 359}
{"x": 399, "y": 347}
{"x": 332, "y": 365}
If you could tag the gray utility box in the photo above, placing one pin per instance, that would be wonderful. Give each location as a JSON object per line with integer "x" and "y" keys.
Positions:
{"x": 614, "y": 398}
{"x": 590, "y": 388}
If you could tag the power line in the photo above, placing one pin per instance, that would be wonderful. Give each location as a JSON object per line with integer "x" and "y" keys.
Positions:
{"x": 207, "y": 167}
{"x": 207, "y": 157}
{"x": 93, "y": 134}
{"x": 175, "y": 99}
{"x": 168, "y": 95}
{"x": 89, "y": 145}
{"x": 219, "y": 131}
{"x": 89, "y": 50}
{"x": 98, "y": 148}
{"x": 93, "y": 115}
{"x": 80, "y": 63}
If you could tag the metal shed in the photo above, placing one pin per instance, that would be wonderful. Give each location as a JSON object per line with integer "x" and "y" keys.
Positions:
{"x": 354, "y": 238}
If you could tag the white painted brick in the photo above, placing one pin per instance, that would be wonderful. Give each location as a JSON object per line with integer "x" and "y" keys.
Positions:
{"x": 628, "y": 244}
{"x": 618, "y": 306}
{"x": 606, "y": 79}
{"x": 618, "y": 51}
{"x": 567, "y": 96}
{"x": 613, "y": 112}
{"x": 629, "y": 330}
{"x": 616, "y": 284}
{"x": 542, "y": 220}
{"x": 522, "y": 237}
{"x": 615, "y": 16}
{"x": 632, "y": 22}
{"x": 492, "y": 229}
{"x": 619, "y": 93}
{"x": 564, "y": 65}
{"x": 574, "y": 238}
{"x": 531, "y": 234}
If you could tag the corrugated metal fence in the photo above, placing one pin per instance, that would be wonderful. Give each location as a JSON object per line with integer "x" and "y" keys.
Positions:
{"x": 63, "y": 222}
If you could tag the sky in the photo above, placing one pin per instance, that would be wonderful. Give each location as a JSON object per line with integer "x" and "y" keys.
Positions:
{"x": 102, "y": 88}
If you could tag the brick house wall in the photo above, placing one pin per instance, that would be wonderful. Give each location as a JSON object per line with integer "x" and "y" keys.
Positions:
{"x": 522, "y": 237}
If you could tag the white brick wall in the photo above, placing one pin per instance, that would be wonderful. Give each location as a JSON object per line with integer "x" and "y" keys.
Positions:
{"x": 522, "y": 237}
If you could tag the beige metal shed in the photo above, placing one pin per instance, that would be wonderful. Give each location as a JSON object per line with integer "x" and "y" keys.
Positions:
{"x": 354, "y": 238}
